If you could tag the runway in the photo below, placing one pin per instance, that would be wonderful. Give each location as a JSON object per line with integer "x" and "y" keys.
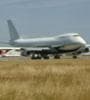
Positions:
{"x": 18, "y": 58}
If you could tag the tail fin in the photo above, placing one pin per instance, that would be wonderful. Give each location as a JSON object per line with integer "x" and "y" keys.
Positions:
{"x": 13, "y": 32}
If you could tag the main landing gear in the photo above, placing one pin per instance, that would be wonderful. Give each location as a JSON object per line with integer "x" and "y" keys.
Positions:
{"x": 39, "y": 56}
{"x": 56, "y": 56}
{"x": 74, "y": 57}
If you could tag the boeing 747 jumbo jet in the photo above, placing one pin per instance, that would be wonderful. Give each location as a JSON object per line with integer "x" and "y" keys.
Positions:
{"x": 70, "y": 43}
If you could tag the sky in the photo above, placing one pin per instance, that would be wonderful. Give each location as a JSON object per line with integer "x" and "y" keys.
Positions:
{"x": 42, "y": 18}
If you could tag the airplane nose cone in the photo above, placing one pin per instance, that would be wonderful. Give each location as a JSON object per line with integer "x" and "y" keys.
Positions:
{"x": 81, "y": 40}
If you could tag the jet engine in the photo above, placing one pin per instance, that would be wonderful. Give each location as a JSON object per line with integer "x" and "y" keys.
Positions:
{"x": 86, "y": 49}
{"x": 25, "y": 52}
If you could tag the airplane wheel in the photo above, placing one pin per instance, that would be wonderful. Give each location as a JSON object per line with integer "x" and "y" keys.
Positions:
{"x": 45, "y": 57}
{"x": 75, "y": 57}
{"x": 36, "y": 57}
{"x": 56, "y": 57}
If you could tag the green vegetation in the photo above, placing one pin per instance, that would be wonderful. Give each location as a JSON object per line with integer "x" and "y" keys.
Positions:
{"x": 64, "y": 79}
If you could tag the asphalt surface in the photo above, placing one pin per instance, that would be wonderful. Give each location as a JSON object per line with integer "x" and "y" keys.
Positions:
{"x": 28, "y": 58}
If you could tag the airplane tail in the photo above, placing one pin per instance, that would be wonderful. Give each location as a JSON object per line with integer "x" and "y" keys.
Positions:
{"x": 13, "y": 32}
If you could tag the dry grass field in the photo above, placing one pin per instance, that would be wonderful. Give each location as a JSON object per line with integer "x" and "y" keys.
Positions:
{"x": 64, "y": 79}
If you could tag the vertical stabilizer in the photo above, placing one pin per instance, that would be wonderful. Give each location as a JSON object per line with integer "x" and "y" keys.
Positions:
{"x": 13, "y": 32}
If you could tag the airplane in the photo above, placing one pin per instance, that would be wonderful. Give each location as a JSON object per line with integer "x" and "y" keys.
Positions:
{"x": 37, "y": 48}
{"x": 6, "y": 51}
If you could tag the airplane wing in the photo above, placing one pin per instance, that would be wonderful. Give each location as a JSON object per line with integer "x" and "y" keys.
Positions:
{"x": 9, "y": 48}
{"x": 35, "y": 48}
{"x": 57, "y": 46}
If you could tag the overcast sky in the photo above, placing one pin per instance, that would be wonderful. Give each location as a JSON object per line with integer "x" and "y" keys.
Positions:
{"x": 37, "y": 18}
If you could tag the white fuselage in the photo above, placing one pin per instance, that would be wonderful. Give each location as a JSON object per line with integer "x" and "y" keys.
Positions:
{"x": 65, "y": 42}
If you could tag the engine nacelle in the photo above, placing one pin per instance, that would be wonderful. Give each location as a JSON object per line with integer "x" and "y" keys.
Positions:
{"x": 25, "y": 53}
{"x": 86, "y": 50}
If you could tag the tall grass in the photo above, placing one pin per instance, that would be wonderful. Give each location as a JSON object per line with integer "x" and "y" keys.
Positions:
{"x": 64, "y": 79}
